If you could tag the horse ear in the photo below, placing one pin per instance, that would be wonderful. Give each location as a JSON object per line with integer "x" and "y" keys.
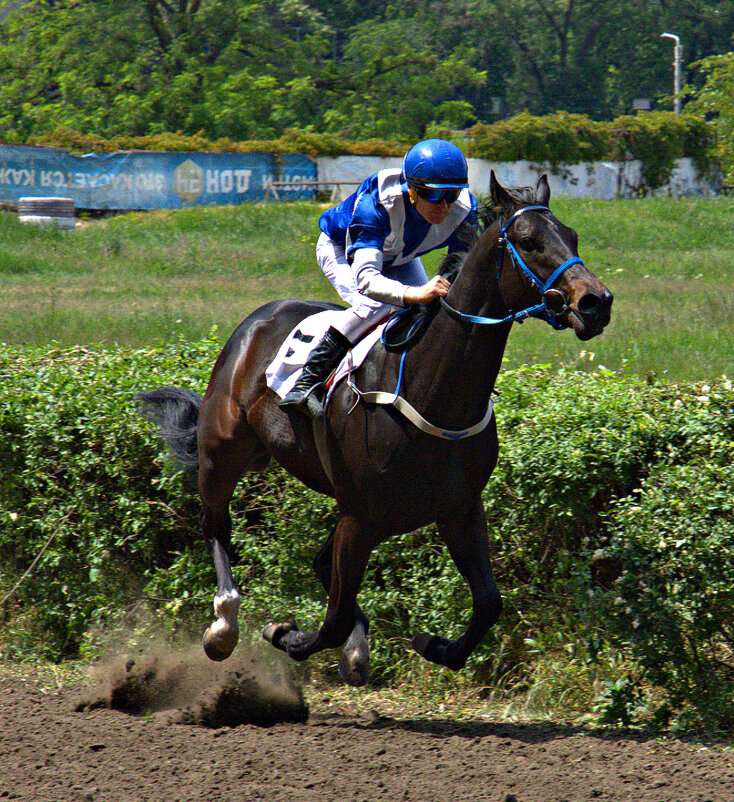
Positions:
{"x": 542, "y": 190}
{"x": 499, "y": 198}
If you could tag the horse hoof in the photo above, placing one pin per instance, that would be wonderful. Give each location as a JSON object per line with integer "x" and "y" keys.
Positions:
{"x": 219, "y": 646}
{"x": 431, "y": 647}
{"x": 273, "y": 633}
{"x": 438, "y": 650}
{"x": 354, "y": 667}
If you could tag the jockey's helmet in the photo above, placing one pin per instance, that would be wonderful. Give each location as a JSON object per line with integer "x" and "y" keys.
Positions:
{"x": 437, "y": 164}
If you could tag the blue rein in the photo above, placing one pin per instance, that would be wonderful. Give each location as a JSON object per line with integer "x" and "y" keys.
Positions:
{"x": 540, "y": 310}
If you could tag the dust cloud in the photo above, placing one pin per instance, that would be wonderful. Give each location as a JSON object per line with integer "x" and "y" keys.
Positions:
{"x": 183, "y": 686}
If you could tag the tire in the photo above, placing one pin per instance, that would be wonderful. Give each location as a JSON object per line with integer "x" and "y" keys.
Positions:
{"x": 57, "y": 212}
{"x": 46, "y": 207}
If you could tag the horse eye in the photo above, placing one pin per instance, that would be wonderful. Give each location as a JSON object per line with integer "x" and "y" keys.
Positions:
{"x": 527, "y": 243}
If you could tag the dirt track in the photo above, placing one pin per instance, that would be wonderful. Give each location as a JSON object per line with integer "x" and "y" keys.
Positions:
{"x": 70, "y": 745}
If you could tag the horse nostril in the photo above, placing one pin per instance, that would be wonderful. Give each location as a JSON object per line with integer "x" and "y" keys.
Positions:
{"x": 593, "y": 304}
{"x": 588, "y": 303}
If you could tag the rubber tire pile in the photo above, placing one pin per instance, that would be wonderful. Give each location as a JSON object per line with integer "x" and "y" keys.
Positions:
{"x": 57, "y": 212}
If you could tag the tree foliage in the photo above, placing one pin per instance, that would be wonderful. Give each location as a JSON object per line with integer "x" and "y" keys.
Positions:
{"x": 251, "y": 69}
{"x": 715, "y": 101}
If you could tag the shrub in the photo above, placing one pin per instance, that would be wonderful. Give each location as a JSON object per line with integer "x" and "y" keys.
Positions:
{"x": 82, "y": 484}
{"x": 293, "y": 140}
{"x": 657, "y": 139}
{"x": 673, "y": 538}
{"x": 610, "y": 520}
{"x": 555, "y": 139}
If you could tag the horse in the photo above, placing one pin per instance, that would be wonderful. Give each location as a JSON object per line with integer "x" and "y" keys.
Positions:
{"x": 389, "y": 474}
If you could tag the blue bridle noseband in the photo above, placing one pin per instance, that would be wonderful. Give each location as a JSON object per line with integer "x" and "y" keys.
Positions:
{"x": 541, "y": 310}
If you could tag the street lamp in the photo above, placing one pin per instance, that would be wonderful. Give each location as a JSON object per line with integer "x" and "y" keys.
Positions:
{"x": 677, "y": 55}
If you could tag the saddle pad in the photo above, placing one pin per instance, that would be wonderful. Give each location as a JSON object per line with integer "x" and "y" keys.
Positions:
{"x": 284, "y": 370}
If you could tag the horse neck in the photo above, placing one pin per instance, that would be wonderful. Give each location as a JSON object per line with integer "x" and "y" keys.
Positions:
{"x": 476, "y": 291}
{"x": 454, "y": 367}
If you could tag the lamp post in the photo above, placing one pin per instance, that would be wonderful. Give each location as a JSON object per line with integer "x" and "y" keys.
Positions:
{"x": 677, "y": 55}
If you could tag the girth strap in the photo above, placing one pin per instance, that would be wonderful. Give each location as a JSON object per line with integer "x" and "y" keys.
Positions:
{"x": 319, "y": 436}
{"x": 412, "y": 414}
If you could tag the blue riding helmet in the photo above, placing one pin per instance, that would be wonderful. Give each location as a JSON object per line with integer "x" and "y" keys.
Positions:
{"x": 436, "y": 164}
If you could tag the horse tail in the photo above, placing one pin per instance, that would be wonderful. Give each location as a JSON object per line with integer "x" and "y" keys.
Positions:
{"x": 176, "y": 413}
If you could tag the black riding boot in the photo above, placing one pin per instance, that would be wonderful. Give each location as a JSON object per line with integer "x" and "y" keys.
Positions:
{"x": 307, "y": 394}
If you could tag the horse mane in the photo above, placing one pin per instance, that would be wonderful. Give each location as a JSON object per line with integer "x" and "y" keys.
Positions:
{"x": 487, "y": 213}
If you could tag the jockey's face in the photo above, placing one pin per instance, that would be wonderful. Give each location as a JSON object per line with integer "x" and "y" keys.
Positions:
{"x": 433, "y": 213}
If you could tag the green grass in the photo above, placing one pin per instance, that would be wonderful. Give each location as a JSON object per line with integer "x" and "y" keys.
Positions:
{"x": 139, "y": 279}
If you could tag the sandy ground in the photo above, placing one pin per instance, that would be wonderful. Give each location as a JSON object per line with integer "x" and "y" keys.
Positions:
{"x": 179, "y": 728}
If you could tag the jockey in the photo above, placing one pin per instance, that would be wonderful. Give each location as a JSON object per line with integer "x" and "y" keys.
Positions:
{"x": 370, "y": 249}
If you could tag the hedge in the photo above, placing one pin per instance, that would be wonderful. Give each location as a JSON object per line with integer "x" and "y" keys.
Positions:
{"x": 656, "y": 138}
{"x": 610, "y": 519}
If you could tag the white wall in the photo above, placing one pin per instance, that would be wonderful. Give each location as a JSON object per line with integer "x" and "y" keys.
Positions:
{"x": 587, "y": 180}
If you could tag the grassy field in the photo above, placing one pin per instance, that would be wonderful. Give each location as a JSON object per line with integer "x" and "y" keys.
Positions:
{"x": 138, "y": 279}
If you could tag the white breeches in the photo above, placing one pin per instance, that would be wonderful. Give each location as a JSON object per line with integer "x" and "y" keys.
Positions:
{"x": 364, "y": 312}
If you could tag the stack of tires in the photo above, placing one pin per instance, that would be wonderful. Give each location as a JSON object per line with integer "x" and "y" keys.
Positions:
{"x": 57, "y": 212}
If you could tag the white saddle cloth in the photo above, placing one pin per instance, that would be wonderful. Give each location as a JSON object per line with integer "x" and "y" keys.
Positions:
{"x": 284, "y": 370}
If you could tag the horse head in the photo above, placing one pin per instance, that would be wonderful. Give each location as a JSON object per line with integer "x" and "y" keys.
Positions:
{"x": 548, "y": 270}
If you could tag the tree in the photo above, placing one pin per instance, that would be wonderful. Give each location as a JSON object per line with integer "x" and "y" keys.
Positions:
{"x": 115, "y": 67}
{"x": 715, "y": 101}
{"x": 399, "y": 80}
{"x": 251, "y": 69}
{"x": 594, "y": 56}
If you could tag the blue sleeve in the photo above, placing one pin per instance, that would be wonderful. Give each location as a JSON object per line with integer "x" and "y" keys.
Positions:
{"x": 370, "y": 223}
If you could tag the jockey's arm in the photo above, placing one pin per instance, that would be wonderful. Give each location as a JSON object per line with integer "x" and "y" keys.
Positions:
{"x": 367, "y": 266}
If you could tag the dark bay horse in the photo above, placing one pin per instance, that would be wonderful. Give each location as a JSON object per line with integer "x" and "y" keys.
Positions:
{"x": 387, "y": 475}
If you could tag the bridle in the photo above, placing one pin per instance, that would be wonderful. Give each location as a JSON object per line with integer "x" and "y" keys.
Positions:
{"x": 553, "y": 301}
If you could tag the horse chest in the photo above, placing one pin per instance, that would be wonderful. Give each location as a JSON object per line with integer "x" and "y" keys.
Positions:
{"x": 407, "y": 482}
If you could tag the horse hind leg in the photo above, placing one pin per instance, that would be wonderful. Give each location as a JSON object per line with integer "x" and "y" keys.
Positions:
{"x": 350, "y": 553}
{"x": 354, "y": 661}
{"x": 222, "y": 461}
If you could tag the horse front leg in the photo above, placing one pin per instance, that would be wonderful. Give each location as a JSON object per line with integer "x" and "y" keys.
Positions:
{"x": 350, "y": 553}
{"x": 466, "y": 539}
{"x": 222, "y": 635}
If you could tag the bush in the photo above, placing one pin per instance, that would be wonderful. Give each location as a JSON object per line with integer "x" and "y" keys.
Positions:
{"x": 293, "y": 140}
{"x": 555, "y": 139}
{"x": 82, "y": 484}
{"x": 657, "y": 139}
{"x": 609, "y": 520}
{"x": 673, "y": 538}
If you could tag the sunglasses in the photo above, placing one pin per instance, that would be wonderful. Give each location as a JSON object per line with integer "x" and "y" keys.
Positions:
{"x": 437, "y": 195}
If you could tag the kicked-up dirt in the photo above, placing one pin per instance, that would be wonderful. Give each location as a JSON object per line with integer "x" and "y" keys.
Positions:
{"x": 178, "y": 728}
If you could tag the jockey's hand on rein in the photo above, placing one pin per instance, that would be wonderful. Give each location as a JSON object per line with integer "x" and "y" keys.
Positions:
{"x": 428, "y": 292}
